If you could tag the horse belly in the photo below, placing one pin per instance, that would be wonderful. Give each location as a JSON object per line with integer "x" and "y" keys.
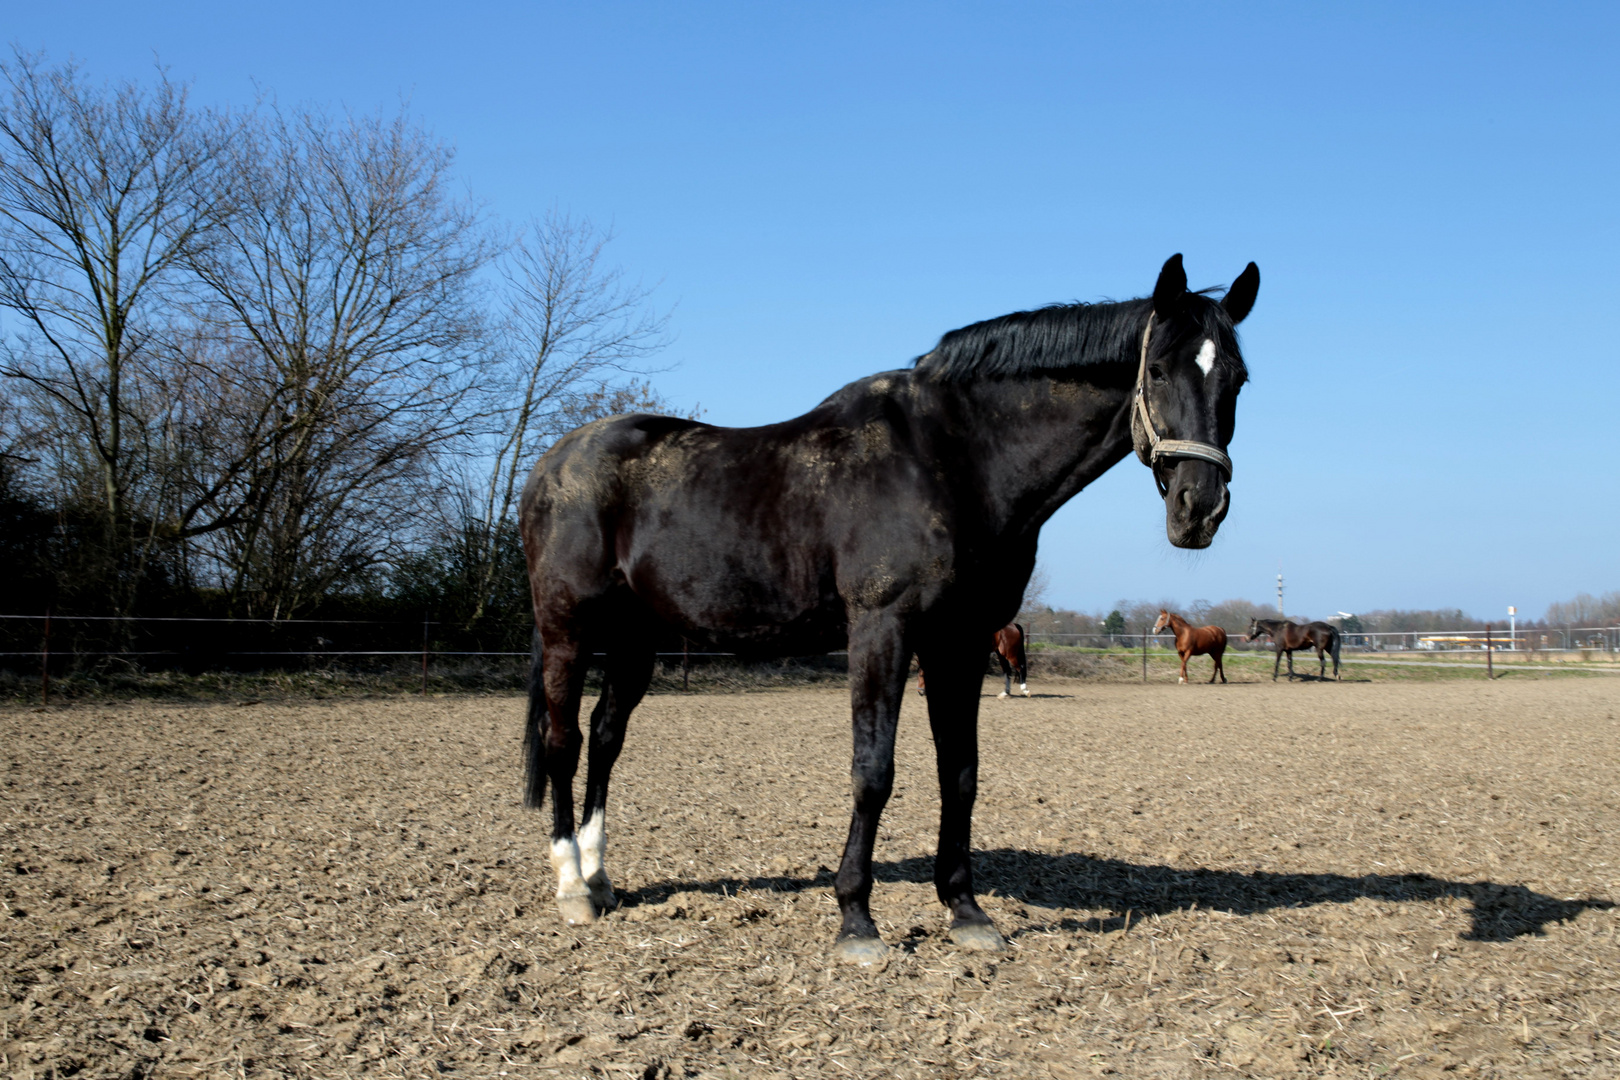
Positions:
{"x": 724, "y": 589}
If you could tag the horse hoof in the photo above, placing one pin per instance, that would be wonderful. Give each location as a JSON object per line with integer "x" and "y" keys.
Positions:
{"x": 1002, "y": 694}
{"x": 978, "y": 937}
{"x": 602, "y": 897}
{"x": 576, "y": 910}
{"x": 862, "y": 952}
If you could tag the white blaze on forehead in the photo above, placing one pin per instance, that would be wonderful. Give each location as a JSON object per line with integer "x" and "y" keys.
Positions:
{"x": 1206, "y": 357}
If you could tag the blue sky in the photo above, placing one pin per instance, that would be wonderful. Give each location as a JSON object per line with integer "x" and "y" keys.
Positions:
{"x": 1429, "y": 191}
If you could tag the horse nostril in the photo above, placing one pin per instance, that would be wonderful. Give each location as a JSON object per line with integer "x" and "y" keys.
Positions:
{"x": 1186, "y": 498}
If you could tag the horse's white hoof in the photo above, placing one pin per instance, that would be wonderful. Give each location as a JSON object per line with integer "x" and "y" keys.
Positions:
{"x": 861, "y": 952}
{"x": 1002, "y": 694}
{"x": 978, "y": 937}
{"x": 576, "y": 910}
{"x": 1182, "y": 681}
{"x": 1026, "y": 691}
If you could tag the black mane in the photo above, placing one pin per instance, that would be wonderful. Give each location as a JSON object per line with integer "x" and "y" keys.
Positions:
{"x": 1057, "y": 336}
{"x": 1048, "y": 338}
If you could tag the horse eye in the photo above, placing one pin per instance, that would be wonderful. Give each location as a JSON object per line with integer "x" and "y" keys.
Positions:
{"x": 1156, "y": 372}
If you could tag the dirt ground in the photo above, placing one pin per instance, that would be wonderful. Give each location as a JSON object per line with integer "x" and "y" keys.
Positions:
{"x": 1361, "y": 879}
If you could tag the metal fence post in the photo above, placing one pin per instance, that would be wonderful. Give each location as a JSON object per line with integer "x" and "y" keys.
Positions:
{"x": 1488, "y": 672}
{"x": 425, "y": 625}
{"x": 45, "y": 663}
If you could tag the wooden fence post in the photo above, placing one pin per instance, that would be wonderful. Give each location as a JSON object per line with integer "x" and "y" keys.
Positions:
{"x": 1488, "y": 670}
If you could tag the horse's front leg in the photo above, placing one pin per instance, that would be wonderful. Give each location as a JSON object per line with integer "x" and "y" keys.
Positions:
{"x": 953, "y": 714}
{"x": 1277, "y": 663}
{"x": 878, "y": 659}
{"x": 1184, "y": 658}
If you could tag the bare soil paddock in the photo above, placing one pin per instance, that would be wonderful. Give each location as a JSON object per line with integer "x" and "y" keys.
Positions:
{"x": 1363, "y": 879}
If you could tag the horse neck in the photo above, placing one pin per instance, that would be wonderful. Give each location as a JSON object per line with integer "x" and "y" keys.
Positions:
{"x": 1033, "y": 441}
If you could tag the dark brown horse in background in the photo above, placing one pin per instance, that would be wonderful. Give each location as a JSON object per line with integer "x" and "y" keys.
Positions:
{"x": 1194, "y": 641}
{"x": 1009, "y": 649}
{"x": 1288, "y": 636}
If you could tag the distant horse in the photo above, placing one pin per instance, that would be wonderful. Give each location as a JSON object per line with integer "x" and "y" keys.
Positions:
{"x": 1194, "y": 641}
{"x": 899, "y": 517}
{"x": 1288, "y": 636}
{"x": 1009, "y": 649}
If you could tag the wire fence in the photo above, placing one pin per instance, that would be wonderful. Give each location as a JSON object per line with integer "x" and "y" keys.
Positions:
{"x": 1604, "y": 639}
{"x": 46, "y": 644}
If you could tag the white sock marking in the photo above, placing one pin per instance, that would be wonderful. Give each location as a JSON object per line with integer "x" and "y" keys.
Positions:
{"x": 1206, "y": 357}
{"x": 565, "y": 861}
{"x": 592, "y": 846}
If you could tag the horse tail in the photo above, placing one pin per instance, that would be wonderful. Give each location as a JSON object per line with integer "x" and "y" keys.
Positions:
{"x": 534, "y": 732}
{"x": 1337, "y": 636}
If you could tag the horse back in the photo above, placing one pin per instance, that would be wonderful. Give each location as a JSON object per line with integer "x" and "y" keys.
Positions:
{"x": 732, "y": 534}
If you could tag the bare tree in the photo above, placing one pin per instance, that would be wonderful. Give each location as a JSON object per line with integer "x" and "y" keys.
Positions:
{"x": 340, "y": 290}
{"x": 104, "y": 194}
{"x": 573, "y": 330}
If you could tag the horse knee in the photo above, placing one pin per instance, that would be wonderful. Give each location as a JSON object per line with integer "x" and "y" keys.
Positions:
{"x": 872, "y": 787}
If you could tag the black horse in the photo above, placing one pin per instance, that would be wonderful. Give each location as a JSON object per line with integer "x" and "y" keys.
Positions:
{"x": 898, "y": 517}
{"x": 1288, "y": 636}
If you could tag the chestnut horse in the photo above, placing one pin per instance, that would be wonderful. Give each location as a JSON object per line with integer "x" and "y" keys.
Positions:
{"x": 898, "y": 518}
{"x": 1194, "y": 641}
{"x": 1288, "y": 636}
{"x": 1009, "y": 649}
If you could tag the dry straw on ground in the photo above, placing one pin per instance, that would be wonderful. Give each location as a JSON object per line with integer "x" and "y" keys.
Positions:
{"x": 1384, "y": 879}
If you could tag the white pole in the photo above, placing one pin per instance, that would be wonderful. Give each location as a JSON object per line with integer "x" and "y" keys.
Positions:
{"x": 1513, "y": 633}
{"x": 1280, "y": 612}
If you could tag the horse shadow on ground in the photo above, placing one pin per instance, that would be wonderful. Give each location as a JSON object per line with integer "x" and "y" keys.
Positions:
{"x": 1134, "y": 890}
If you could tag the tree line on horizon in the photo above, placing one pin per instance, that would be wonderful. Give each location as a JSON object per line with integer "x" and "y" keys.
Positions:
{"x": 1134, "y": 617}
{"x": 276, "y": 363}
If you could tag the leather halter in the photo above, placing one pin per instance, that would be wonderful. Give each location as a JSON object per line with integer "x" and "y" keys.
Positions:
{"x": 1159, "y": 448}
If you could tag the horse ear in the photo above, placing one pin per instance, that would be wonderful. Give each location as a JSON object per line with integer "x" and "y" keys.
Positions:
{"x": 1171, "y": 288}
{"x": 1239, "y": 299}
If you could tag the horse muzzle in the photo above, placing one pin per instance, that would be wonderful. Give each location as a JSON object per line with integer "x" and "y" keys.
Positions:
{"x": 1195, "y": 502}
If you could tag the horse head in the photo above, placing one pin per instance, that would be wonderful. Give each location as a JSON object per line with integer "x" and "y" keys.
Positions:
{"x": 1255, "y": 630}
{"x": 1185, "y": 404}
{"x": 1164, "y": 621}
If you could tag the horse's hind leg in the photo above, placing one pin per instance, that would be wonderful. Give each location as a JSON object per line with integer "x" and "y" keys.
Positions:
{"x": 1006, "y": 675}
{"x": 1275, "y": 664}
{"x": 628, "y": 672}
{"x": 558, "y": 678}
{"x": 1219, "y": 667}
